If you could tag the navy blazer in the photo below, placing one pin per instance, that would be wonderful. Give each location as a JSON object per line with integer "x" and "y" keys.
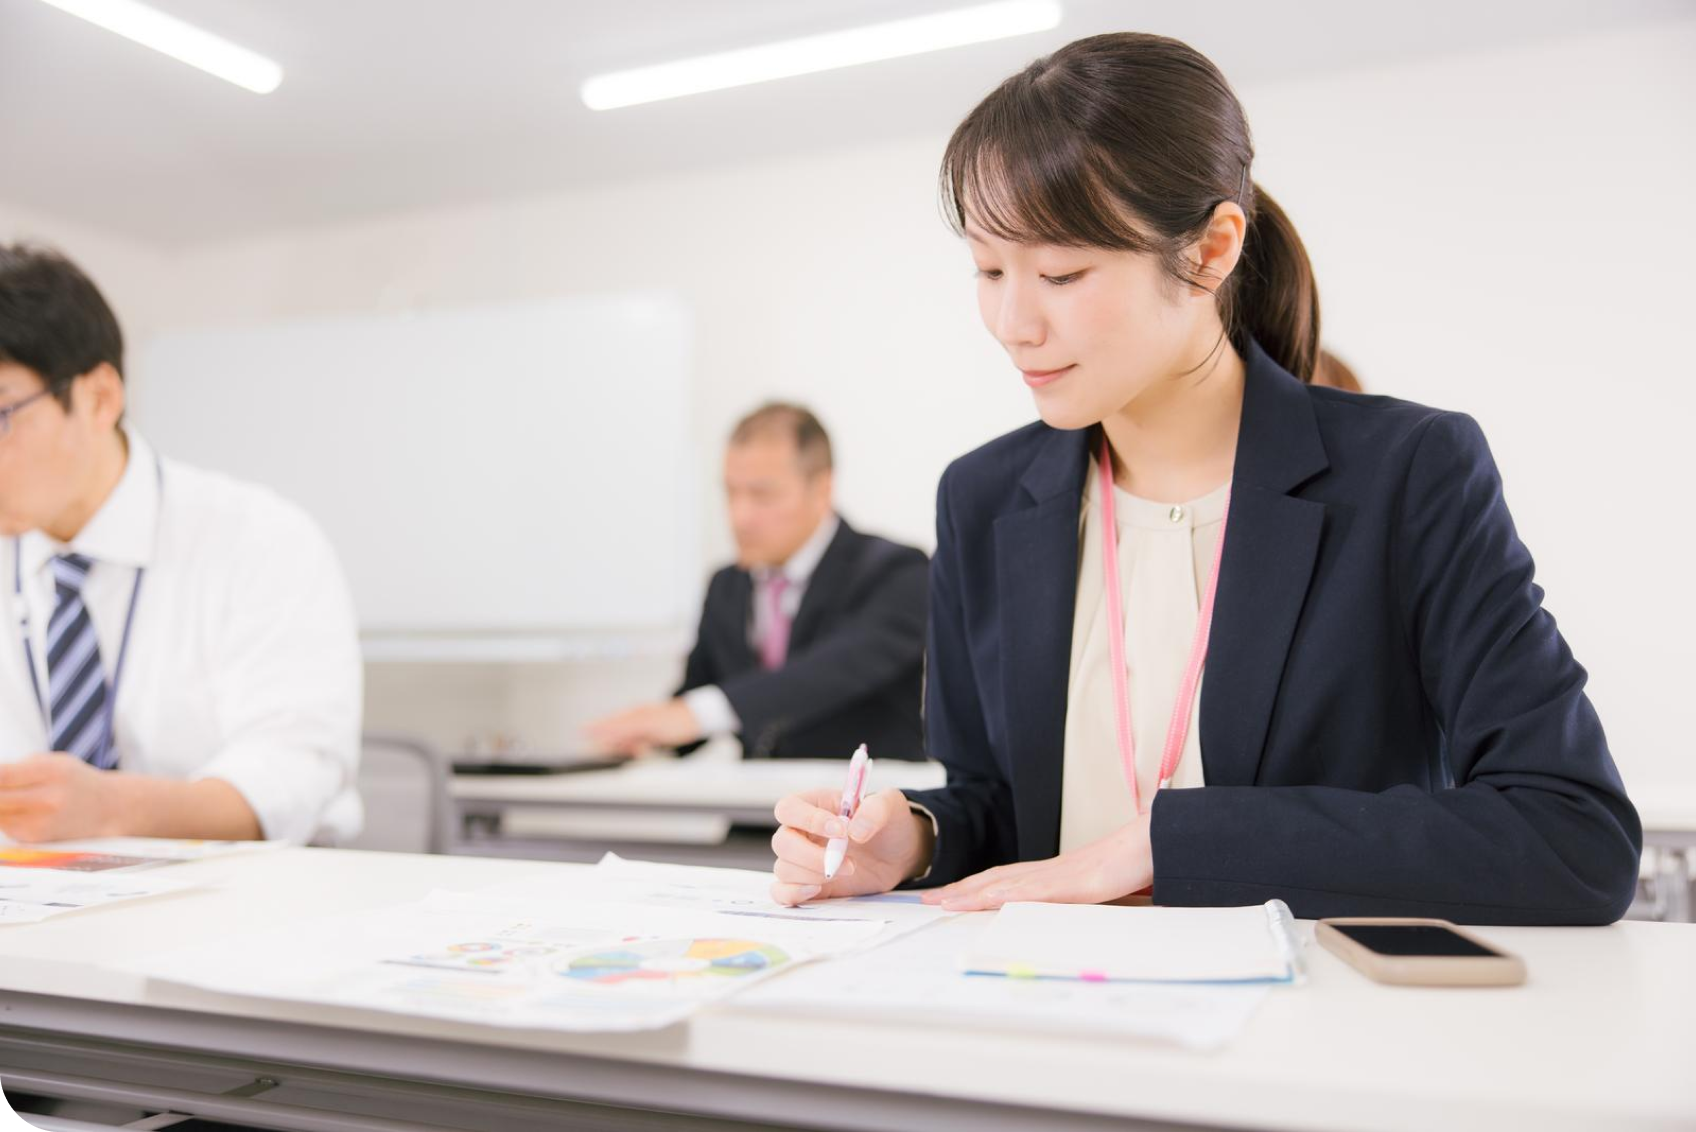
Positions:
{"x": 1390, "y": 722}
{"x": 855, "y": 663}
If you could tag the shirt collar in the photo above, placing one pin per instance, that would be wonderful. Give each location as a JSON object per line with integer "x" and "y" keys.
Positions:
{"x": 124, "y": 530}
{"x": 803, "y": 562}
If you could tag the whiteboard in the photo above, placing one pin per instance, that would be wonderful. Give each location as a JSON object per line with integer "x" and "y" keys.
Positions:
{"x": 518, "y": 469}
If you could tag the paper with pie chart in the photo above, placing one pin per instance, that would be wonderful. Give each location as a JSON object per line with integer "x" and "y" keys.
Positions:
{"x": 685, "y": 960}
{"x": 576, "y": 964}
{"x": 693, "y": 967}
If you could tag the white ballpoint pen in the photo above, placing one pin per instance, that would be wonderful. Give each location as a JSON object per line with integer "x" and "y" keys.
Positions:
{"x": 837, "y": 847}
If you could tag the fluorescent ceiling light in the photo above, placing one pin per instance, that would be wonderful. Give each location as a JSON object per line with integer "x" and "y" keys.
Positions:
{"x": 820, "y": 53}
{"x": 183, "y": 42}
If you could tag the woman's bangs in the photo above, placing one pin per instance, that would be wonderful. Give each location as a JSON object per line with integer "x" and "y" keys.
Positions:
{"x": 1019, "y": 182}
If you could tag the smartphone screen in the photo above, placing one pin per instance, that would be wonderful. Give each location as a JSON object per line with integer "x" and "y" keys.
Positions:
{"x": 1412, "y": 939}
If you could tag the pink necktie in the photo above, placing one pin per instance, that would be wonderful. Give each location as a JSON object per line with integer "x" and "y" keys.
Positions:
{"x": 774, "y": 645}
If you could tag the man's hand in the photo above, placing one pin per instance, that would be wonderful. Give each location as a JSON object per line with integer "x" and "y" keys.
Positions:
{"x": 643, "y": 729}
{"x": 57, "y": 797}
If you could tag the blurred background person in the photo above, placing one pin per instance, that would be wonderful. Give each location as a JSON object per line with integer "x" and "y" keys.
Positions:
{"x": 1334, "y": 372}
{"x": 812, "y": 642}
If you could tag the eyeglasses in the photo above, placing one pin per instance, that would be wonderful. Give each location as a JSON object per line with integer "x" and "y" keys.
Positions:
{"x": 7, "y": 411}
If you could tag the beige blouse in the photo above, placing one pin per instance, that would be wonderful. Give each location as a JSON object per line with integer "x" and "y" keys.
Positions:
{"x": 1165, "y": 556}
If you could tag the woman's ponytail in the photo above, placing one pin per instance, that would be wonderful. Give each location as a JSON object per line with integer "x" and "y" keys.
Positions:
{"x": 1274, "y": 298}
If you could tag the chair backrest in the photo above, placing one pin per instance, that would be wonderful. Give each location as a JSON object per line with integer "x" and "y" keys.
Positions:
{"x": 403, "y": 783}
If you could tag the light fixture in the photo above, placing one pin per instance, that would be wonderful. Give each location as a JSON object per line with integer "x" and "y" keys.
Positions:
{"x": 820, "y": 53}
{"x": 181, "y": 41}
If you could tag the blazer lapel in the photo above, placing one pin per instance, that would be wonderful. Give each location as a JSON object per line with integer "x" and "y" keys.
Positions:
{"x": 826, "y": 587}
{"x": 1036, "y": 559}
{"x": 1271, "y": 545}
{"x": 733, "y": 621}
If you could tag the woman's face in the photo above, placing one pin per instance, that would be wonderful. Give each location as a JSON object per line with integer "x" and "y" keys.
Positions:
{"x": 1090, "y": 329}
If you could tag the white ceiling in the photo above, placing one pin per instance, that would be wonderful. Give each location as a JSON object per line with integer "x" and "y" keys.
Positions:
{"x": 401, "y": 104}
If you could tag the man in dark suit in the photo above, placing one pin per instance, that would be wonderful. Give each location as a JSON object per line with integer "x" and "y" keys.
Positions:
{"x": 813, "y": 642}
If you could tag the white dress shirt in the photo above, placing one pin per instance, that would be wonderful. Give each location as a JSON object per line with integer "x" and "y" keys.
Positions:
{"x": 244, "y": 659}
{"x": 710, "y": 705}
{"x": 1165, "y": 557}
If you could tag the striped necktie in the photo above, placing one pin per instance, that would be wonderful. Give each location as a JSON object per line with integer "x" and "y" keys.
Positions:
{"x": 76, "y": 681}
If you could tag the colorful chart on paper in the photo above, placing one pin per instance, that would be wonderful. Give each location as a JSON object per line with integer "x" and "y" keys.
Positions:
{"x": 648, "y": 961}
{"x": 482, "y": 955}
{"x": 17, "y": 857}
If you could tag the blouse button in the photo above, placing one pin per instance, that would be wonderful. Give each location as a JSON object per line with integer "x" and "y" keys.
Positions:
{"x": 1176, "y": 514}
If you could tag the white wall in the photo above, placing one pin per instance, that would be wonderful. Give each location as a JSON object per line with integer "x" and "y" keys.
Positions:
{"x": 1494, "y": 232}
{"x": 831, "y": 280}
{"x": 139, "y": 279}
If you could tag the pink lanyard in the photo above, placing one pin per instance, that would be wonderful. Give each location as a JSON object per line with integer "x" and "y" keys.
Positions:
{"x": 1178, "y": 730}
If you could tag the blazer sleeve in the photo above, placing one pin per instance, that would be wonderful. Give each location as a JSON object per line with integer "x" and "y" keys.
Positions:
{"x": 880, "y": 638}
{"x": 701, "y": 669}
{"x": 974, "y": 810}
{"x": 1536, "y": 830}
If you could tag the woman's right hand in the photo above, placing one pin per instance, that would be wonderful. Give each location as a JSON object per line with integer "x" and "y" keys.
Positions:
{"x": 887, "y": 844}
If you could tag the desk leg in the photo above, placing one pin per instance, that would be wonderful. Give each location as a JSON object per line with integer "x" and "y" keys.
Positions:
{"x": 1672, "y": 878}
{"x": 475, "y": 825}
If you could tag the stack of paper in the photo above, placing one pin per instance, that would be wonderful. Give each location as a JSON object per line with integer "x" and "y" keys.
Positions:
{"x": 29, "y": 895}
{"x": 580, "y": 965}
{"x": 38, "y": 881}
{"x": 1105, "y": 943}
{"x": 625, "y": 946}
{"x": 107, "y": 854}
{"x": 1072, "y": 969}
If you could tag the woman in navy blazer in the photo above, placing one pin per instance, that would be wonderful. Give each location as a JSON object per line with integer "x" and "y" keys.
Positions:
{"x": 1390, "y": 723}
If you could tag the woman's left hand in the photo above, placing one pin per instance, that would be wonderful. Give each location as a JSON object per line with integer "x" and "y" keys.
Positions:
{"x": 1114, "y": 867}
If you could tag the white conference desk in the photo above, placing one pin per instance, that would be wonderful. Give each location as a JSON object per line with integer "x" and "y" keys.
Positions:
{"x": 680, "y": 810}
{"x": 1599, "y": 1038}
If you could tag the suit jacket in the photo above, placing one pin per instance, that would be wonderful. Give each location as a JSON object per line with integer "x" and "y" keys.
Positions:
{"x": 855, "y": 662}
{"x": 1390, "y": 722}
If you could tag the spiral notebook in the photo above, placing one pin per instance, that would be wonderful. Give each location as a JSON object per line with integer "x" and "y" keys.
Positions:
{"x": 1107, "y": 943}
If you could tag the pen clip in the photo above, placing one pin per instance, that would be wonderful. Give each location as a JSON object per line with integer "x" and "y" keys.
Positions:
{"x": 855, "y": 789}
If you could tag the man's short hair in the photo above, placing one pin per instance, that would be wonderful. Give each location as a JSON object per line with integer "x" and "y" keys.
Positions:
{"x": 791, "y": 422}
{"x": 53, "y": 319}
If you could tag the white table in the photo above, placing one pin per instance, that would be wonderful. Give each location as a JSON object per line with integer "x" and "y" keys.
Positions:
{"x": 1599, "y": 1038}
{"x": 681, "y": 810}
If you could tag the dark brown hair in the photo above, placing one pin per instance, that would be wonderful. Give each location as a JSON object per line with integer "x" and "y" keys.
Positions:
{"x": 53, "y": 319}
{"x": 1129, "y": 142}
{"x": 791, "y": 422}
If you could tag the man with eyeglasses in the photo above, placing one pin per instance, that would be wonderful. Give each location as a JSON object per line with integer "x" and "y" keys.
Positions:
{"x": 178, "y": 652}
